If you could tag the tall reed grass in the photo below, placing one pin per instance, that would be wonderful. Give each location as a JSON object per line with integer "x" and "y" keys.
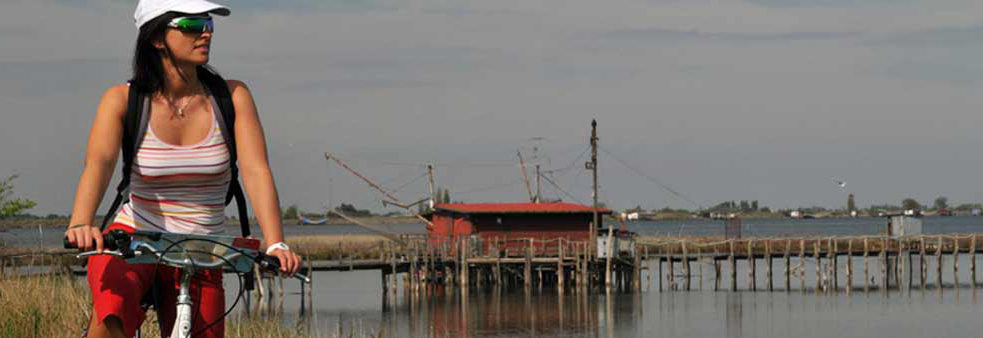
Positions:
{"x": 59, "y": 305}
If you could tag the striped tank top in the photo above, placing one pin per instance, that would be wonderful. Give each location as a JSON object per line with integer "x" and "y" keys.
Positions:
{"x": 179, "y": 189}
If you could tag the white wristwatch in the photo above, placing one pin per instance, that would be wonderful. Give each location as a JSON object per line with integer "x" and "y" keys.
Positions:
{"x": 277, "y": 245}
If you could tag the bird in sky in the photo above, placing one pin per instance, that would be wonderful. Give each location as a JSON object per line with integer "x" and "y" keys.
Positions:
{"x": 842, "y": 184}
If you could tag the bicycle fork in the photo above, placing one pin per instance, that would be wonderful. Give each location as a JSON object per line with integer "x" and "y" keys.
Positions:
{"x": 182, "y": 321}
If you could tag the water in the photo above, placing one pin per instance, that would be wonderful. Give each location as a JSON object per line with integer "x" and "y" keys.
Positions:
{"x": 344, "y": 299}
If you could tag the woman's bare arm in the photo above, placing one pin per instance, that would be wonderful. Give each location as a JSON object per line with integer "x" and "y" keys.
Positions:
{"x": 257, "y": 177}
{"x": 101, "y": 153}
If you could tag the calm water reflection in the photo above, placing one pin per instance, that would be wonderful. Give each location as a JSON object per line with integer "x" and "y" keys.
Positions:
{"x": 355, "y": 297}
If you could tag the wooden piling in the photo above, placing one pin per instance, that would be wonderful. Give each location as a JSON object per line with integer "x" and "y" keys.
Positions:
{"x": 579, "y": 274}
{"x": 465, "y": 266}
{"x": 385, "y": 286}
{"x": 834, "y": 253}
{"x": 866, "y": 264}
{"x": 672, "y": 273}
{"x": 733, "y": 267}
{"x": 899, "y": 265}
{"x": 972, "y": 261}
{"x": 637, "y": 273}
{"x": 885, "y": 277}
{"x": 921, "y": 260}
{"x": 938, "y": 266}
{"x": 849, "y": 265}
{"x": 527, "y": 268}
{"x": 817, "y": 250}
{"x": 648, "y": 269}
{"x": 788, "y": 265}
{"x": 771, "y": 284}
{"x": 752, "y": 285}
{"x": 660, "y": 258}
{"x": 911, "y": 272}
{"x": 802, "y": 265}
{"x": 560, "y": 282}
{"x": 610, "y": 253}
{"x": 955, "y": 263}
{"x": 686, "y": 268}
{"x": 699, "y": 278}
{"x": 392, "y": 268}
{"x": 716, "y": 274}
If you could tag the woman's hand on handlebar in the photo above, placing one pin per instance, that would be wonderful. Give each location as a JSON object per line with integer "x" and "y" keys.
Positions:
{"x": 85, "y": 237}
{"x": 289, "y": 261}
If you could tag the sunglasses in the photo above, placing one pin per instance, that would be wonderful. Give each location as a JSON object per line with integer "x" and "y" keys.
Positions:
{"x": 193, "y": 24}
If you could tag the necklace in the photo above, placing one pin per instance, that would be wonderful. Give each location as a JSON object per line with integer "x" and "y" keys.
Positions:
{"x": 180, "y": 110}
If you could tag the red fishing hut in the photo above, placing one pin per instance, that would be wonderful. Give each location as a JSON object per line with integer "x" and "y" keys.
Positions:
{"x": 506, "y": 228}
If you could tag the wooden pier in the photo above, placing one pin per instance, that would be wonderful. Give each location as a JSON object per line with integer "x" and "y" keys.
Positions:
{"x": 820, "y": 264}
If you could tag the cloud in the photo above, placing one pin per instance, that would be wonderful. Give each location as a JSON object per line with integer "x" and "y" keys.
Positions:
{"x": 945, "y": 36}
{"x": 831, "y": 3}
{"x": 672, "y": 35}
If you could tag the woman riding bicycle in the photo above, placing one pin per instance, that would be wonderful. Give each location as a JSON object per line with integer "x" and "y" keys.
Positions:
{"x": 180, "y": 171}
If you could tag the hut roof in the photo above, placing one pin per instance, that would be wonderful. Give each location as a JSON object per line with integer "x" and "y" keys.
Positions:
{"x": 519, "y": 208}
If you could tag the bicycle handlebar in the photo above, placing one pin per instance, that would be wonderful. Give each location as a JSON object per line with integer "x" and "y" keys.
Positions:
{"x": 122, "y": 244}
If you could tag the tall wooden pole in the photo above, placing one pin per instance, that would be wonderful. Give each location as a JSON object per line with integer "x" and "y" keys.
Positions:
{"x": 525, "y": 178}
{"x": 434, "y": 199}
{"x": 592, "y": 165}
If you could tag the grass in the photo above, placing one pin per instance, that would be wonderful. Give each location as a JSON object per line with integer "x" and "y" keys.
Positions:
{"x": 58, "y": 305}
{"x": 334, "y": 247}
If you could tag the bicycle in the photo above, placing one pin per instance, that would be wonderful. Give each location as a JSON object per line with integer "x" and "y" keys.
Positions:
{"x": 189, "y": 253}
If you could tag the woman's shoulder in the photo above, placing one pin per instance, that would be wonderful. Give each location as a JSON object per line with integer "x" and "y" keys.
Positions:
{"x": 115, "y": 97}
{"x": 236, "y": 86}
{"x": 118, "y": 92}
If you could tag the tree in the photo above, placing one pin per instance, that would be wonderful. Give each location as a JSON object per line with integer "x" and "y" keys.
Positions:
{"x": 754, "y": 205}
{"x": 850, "y": 205}
{"x": 941, "y": 203}
{"x": 291, "y": 212}
{"x": 350, "y": 211}
{"x": 910, "y": 204}
{"x": 12, "y": 207}
{"x": 447, "y": 196}
{"x": 745, "y": 206}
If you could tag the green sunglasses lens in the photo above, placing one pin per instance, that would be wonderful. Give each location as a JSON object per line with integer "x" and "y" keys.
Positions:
{"x": 194, "y": 25}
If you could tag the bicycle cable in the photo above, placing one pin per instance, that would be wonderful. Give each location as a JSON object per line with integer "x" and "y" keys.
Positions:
{"x": 193, "y": 265}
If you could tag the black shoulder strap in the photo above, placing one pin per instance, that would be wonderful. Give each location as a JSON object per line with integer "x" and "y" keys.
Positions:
{"x": 132, "y": 121}
{"x": 222, "y": 98}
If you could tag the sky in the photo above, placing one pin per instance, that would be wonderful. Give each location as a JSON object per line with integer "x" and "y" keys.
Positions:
{"x": 697, "y": 101}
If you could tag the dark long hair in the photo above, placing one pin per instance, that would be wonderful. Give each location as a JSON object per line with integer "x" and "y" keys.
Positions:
{"x": 148, "y": 67}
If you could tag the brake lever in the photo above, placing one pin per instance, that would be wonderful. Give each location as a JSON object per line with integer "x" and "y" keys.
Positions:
{"x": 271, "y": 263}
{"x": 104, "y": 252}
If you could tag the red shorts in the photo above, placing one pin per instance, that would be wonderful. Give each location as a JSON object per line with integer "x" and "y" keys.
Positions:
{"x": 118, "y": 287}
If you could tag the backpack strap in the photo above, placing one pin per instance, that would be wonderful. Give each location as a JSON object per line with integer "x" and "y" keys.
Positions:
{"x": 135, "y": 123}
{"x": 222, "y": 98}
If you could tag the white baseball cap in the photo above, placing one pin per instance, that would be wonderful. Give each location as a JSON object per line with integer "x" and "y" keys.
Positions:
{"x": 150, "y": 9}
